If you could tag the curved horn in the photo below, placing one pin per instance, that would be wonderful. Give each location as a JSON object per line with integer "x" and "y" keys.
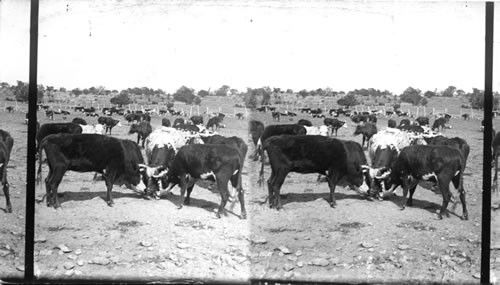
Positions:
{"x": 384, "y": 175}
{"x": 142, "y": 165}
{"x": 161, "y": 174}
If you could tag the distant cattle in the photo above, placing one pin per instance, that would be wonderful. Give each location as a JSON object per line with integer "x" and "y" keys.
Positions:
{"x": 49, "y": 114}
{"x": 276, "y": 116}
{"x": 6, "y": 144}
{"x": 304, "y": 122}
{"x": 9, "y": 109}
{"x": 79, "y": 121}
{"x": 240, "y": 116}
{"x": 132, "y": 117}
{"x": 439, "y": 123}
{"x": 165, "y": 122}
{"x": 118, "y": 160}
{"x": 423, "y": 121}
{"x": 197, "y": 120}
{"x": 214, "y": 123}
{"x": 391, "y": 123}
{"x": 143, "y": 130}
{"x": 335, "y": 124}
{"x": 256, "y": 129}
{"x": 367, "y": 130}
{"x": 109, "y": 123}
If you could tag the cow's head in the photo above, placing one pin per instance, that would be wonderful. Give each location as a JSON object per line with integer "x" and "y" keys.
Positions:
{"x": 132, "y": 179}
{"x": 133, "y": 129}
{"x": 354, "y": 177}
{"x": 154, "y": 179}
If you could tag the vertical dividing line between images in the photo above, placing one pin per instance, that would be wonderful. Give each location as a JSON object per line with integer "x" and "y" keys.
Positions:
{"x": 488, "y": 109}
{"x": 30, "y": 171}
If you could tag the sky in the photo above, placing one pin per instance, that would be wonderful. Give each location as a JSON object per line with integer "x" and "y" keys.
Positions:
{"x": 343, "y": 45}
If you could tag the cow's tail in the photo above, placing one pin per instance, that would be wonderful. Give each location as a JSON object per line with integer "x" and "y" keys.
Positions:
{"x": 261, "y": 173}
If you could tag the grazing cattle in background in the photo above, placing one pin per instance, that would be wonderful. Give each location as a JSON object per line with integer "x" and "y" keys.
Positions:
{"x": 146, "y": 117}
{"x": 9, "y": 109}
{"x": 108, "y": 123}
{"x": 79, "y": 121}
{"x": 178, "y": 121}
{"x": 143, "y": 130}
{"x": 389, "y": 113}
{"x": 291, "y": 114}
{"x": 165, "y": 122}
{"x": 132, "y": 117}
{"x": 423, "y": 121}
{"x": 304, "y": 122}
{"x": 216, "y": 162}
{"x": 335, "y": 124}
{"x": 240, "y": 116}
{"x": 466, "y": 117}
{"x": 92, "y": 129}
{"x": 276, "y": 116}
{"x": 197, "y": 120}
{"x": 49, "y": 114}
{"x": 309, "y": 154}
{"x": 119, "y": 161}
{"x": 367, "y": 130}
{"x": 391, "y": 123}
{"x": 275, "y": 130}
{"x": 214, "y": 123}
{"x": 435, "y": 163}
{"x": 256, "y": 129}
{"x": 57, "y": 128}
{"x": 64, "y": 112}
{"x": 412, "y": 129}
{"x": 403, "y": 123}
{"x": 80, "y": 109}
{"x": 320, "y": 130}
{"x": 6, "y": 144}
{"x": 187, "y": 127}
{"x": 439, "y": 123}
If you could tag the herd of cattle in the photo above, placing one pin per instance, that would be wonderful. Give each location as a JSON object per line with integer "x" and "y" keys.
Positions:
{"x": 401, "y": 155}
{"x": 180, "y": 153}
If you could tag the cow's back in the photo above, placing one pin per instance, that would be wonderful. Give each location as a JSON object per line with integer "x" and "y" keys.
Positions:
{"x": 58, "y": 128}
{"x": 275, "y": 130}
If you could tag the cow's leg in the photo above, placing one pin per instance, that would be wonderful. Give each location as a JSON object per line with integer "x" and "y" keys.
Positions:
{"x": 5, "y": 183}
{"x": 332, "y": 182}
{"x": 54, "y": 184}
{"x": 138, "y": 138}
{"x": 109, "y": 178}
{"x": 270, "y": 182}
{"x": 222, "y": 181}
{"x": 183, "y": 184}
{"x": 410, "y": 199}
{"x": 318, "y": 179}
{"x": 444, "y": 187}
{"x": 189, "y": 190}
{"x": 276, "y": 187}
{"x": 405, "y": 187}
{"x": 48, "y": 191}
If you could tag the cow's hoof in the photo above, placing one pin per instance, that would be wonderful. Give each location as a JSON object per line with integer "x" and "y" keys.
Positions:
{"x": 9, "y": 210}
{"x": 401, "y": 208}
{"x": 110, "y": 204}
{"x": 332, "y": 204}
{"x": 465, "y": 216}
{"x": 243, "y": 216}
{"x": 217, "y": 215}
{"x": 439, "y": 216}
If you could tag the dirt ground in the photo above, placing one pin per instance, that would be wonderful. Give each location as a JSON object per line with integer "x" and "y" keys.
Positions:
{"x": 12, "y": 225}
{"x": 138, "y": 238}
{"x": 365, "y": 240}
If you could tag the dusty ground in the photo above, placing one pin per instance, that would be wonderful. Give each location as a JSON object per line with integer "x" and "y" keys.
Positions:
{"x": 12, "y": 225}
{"x": 138, "y": 238}
{"x": 366, "y": 240}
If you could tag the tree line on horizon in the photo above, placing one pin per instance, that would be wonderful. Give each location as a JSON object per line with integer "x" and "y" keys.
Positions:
{"x": 253, "y": 97}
